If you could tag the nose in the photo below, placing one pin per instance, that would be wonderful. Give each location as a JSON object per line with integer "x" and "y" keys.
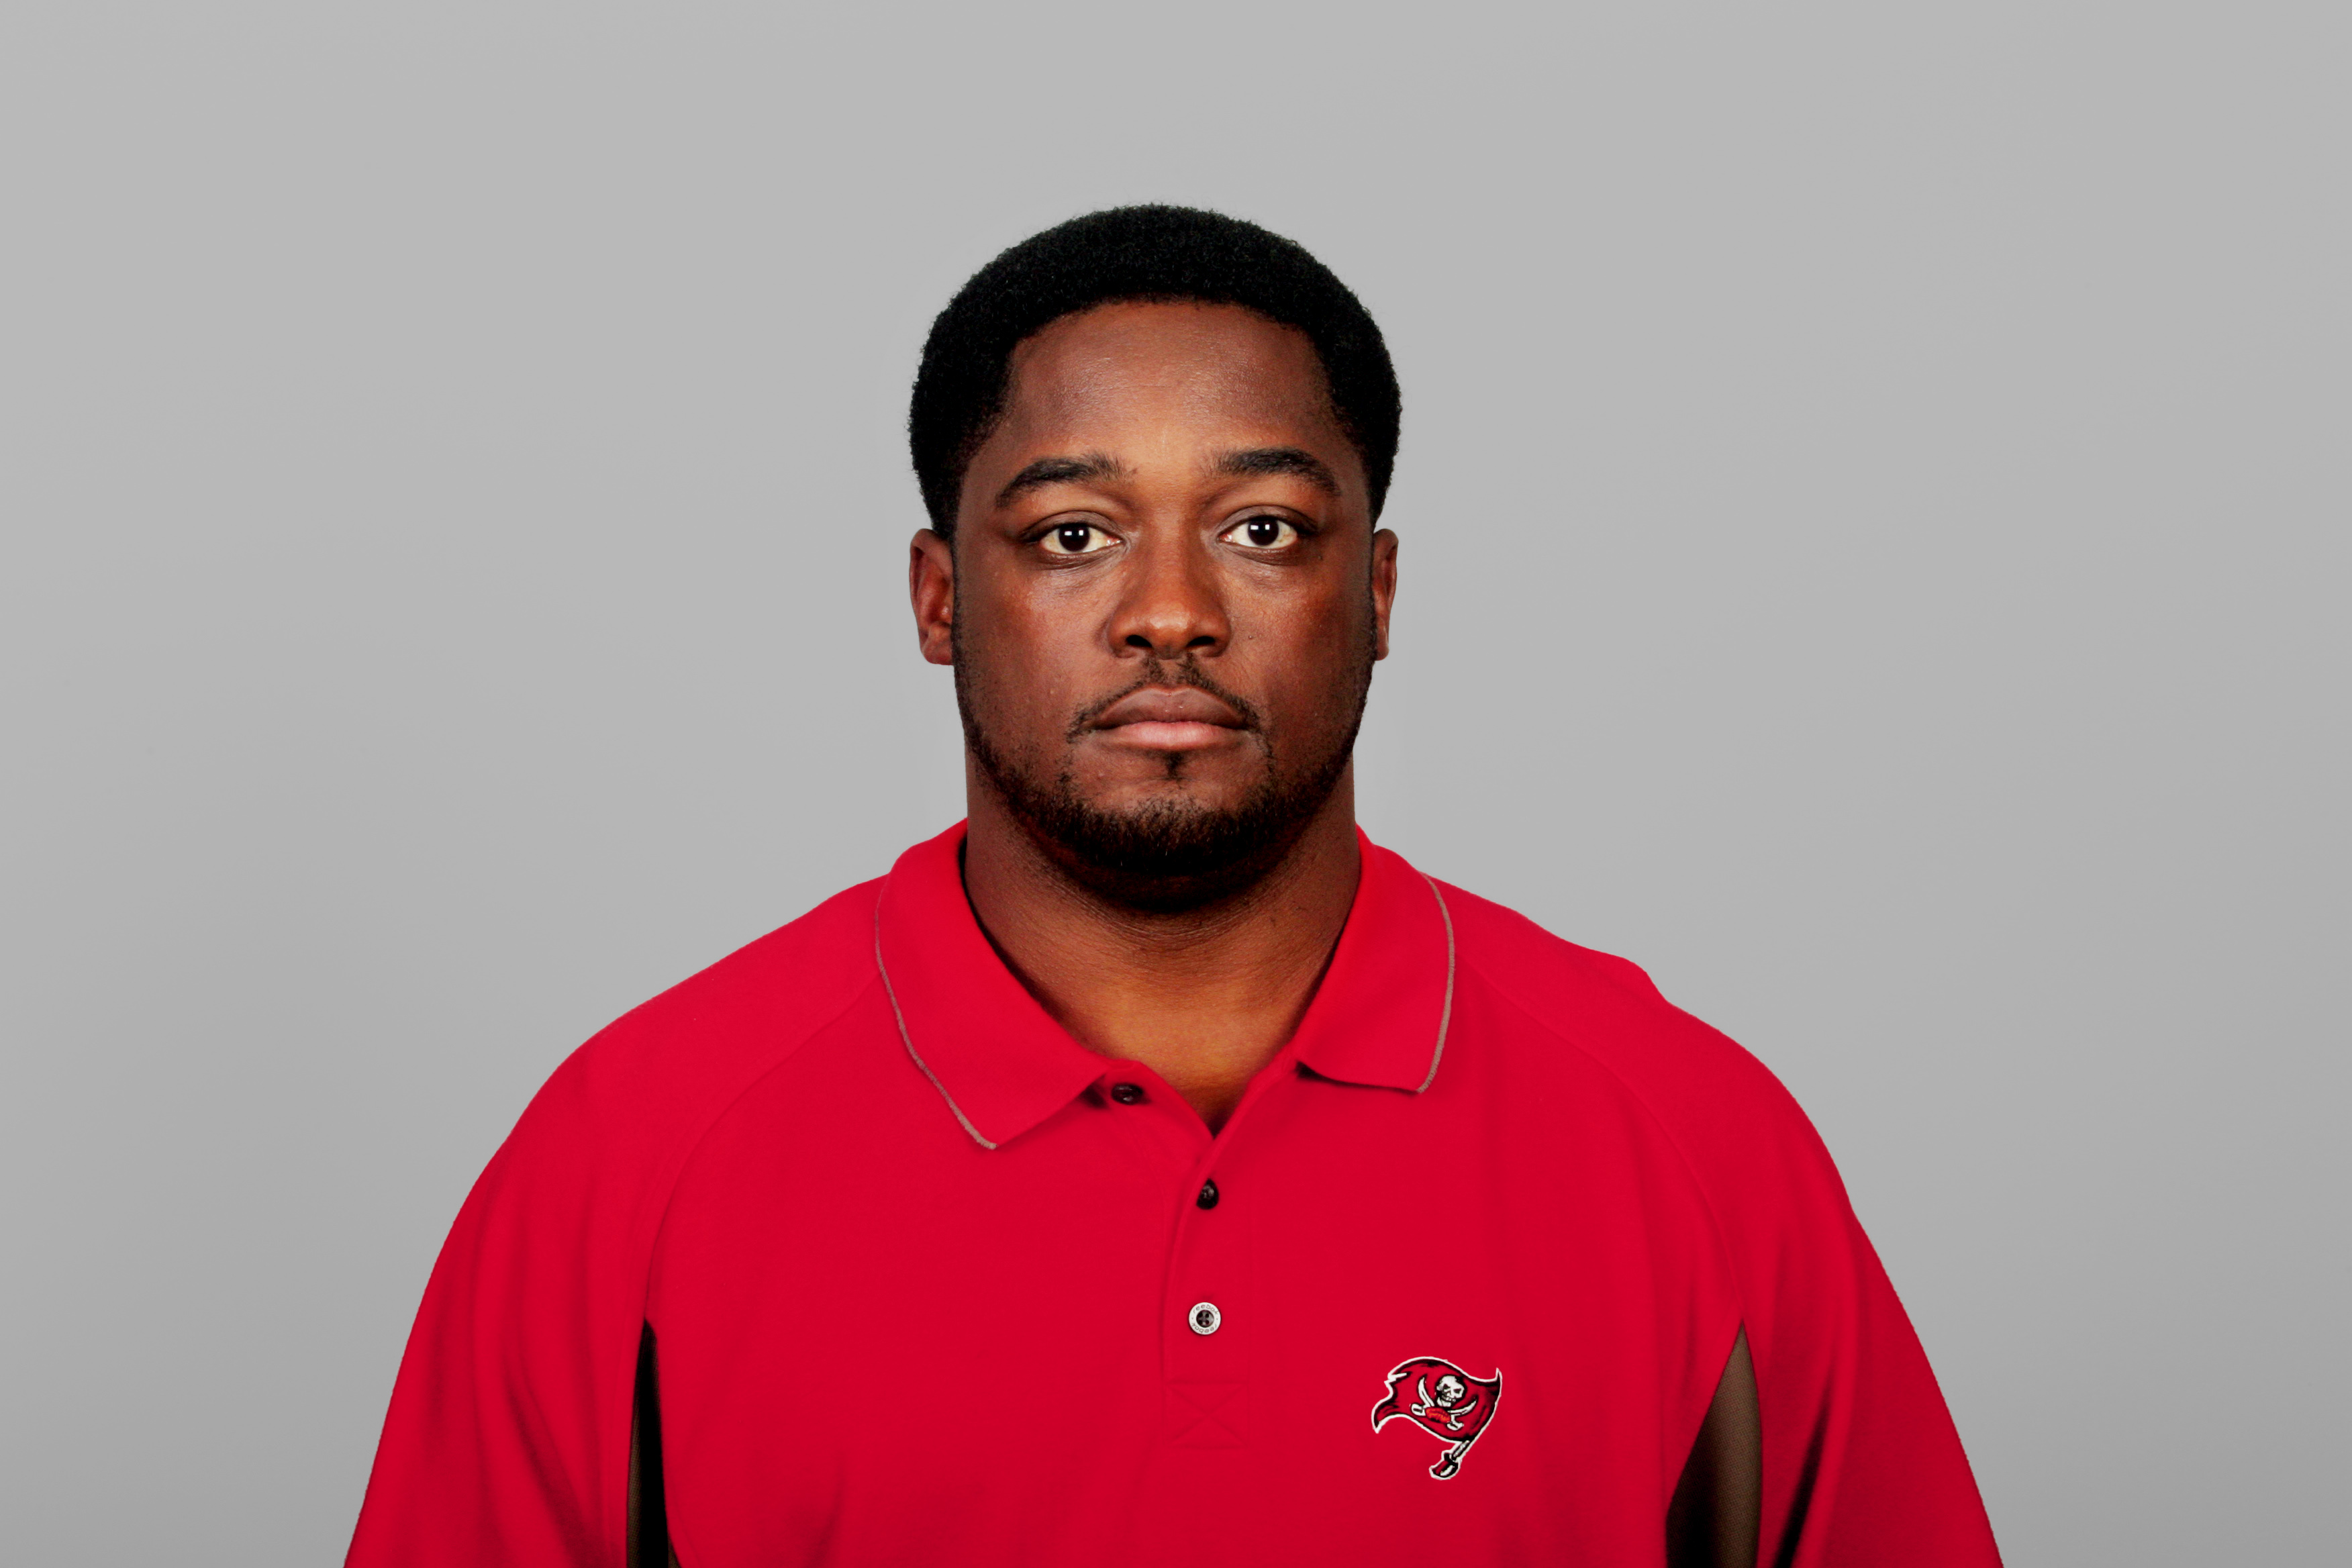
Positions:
{"x": 1172, "y": 605}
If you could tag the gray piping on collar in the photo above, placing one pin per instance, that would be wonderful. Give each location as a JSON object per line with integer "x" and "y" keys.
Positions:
{"x": 1445, "y": 1015}
{"x": 909, "y": 1040}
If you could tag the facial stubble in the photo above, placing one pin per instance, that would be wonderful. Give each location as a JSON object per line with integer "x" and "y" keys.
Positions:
{"x": 1169, "y": 854}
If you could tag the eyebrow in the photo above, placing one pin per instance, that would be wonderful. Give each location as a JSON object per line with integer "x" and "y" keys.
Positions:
{"x": 1296, "y": 461}
{"x": 1293, "y": 461}
{"x": 1058, "y": 471}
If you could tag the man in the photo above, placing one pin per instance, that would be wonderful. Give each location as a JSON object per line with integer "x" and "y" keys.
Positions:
{"x": 1151, "y": 1169}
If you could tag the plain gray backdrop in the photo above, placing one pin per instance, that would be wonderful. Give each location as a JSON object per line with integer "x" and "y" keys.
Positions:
{"x": 1874, "y": 503}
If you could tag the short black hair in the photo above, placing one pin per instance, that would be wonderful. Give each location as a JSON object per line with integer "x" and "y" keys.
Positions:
{"x": 1138, "y": 253}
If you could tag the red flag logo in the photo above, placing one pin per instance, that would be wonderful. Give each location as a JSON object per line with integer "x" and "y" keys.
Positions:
{"x": 1444, "y": 1401}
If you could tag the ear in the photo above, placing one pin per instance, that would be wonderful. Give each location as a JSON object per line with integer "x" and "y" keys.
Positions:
{"x": 930, "y": 587}
{"x": 1384, "y": 570}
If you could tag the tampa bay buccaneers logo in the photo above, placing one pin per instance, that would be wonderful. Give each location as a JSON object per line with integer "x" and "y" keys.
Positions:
{"x": 1444, "y": 1401}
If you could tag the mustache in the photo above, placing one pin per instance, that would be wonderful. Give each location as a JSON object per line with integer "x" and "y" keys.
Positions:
{"x": 1162, "y": 672}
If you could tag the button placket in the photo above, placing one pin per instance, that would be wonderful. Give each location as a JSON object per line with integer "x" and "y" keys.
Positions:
{"x": 1208, "y": 1333}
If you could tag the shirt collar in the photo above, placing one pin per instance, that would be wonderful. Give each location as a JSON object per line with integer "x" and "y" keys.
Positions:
{"x": 1003, "y": 1065}
{"x": 1380, "y": 1016}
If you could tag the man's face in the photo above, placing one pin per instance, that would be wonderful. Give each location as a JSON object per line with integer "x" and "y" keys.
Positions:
{"x": 1164, "y": 597}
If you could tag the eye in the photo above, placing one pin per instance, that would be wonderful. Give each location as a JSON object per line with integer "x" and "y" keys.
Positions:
{"x": 1263, "y": 531}
{"x": 1076, "y": 539}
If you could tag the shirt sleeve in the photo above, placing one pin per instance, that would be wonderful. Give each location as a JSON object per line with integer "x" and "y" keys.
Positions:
{"x": 508, "y": 1437}
{"x": 1863, "y": 1466}
{"x": 1862, "y": 1463}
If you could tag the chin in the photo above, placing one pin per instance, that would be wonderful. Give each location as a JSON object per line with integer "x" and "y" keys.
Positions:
{"x": 1167, "y": 848}
{"x": 1166, "y": 803}
{"x": 1194, "y": 834}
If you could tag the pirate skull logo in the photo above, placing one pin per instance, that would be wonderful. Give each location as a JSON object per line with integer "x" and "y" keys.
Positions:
{"x": 1444, "y": 1401}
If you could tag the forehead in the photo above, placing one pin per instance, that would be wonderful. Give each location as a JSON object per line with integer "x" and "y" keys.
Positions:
{"x": 1214, "y": 369}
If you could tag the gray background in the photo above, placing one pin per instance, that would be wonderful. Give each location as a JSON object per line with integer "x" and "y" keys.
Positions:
{"x": 1873, "y": 505}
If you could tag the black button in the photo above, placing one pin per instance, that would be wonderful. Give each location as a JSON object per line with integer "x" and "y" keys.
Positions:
{"x": 1208, "y": 1198}
{"x": 1128, "y": 1093}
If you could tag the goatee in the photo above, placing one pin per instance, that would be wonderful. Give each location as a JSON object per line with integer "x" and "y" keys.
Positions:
{"x": 1168, "y": 855}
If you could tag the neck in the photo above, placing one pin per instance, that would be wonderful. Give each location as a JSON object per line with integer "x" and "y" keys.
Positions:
{"x": 1205, "y": 996}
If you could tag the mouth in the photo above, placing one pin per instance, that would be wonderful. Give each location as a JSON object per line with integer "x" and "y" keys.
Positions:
{"x": 1168, "y": 719}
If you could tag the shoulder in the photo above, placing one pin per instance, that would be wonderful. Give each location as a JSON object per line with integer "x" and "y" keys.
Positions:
{"x": 1732, "y": 1118}
{"x": 1838, "y": 1369}
{"x": 638, "y": 1093}
{"x": 512, "y": 1416}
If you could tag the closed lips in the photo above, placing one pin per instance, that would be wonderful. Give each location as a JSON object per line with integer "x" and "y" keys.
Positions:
{"x": 1157, "y": 705}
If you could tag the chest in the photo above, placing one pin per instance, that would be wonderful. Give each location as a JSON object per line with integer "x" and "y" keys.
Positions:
{"x": 1104, "y": 1341}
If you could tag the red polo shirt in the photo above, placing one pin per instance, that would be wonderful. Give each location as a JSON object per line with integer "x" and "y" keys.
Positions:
{"x": 932, "y": 1283}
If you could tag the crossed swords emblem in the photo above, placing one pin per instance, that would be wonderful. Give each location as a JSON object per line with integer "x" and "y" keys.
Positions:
{"x": 1448, "y": 1401}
